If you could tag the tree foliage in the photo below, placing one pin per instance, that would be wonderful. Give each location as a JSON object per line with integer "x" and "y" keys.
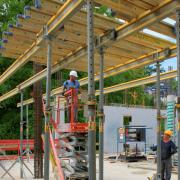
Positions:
{"x": 9, "y": 113}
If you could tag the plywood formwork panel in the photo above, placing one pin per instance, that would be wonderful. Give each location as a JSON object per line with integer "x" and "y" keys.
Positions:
{"x": 159, "y": 27}
{"x": 50, "y": 6}
{"x": 11, "y": 55}
{"x": 124, "y": 9}
{"x": 133, "y": 46}
{"x": 21, "y": 33}
{"x": 100, "y": 21}
{"x": 122, "y": 51}
{"x": 141, "y": 4}
{"x": 15, "y": 45}
{"x": 153, "y": 2}
{"x": 18, "y": 38}
{"x": 149, "y": 41}
{"x": 163, "y": 29}
{"x": 68, "y": 45}
{"x": 27, "y": 24}
{"x": 81, "y": 38}
{"x": 13, "y": 49}
{"x": 37, "y": 16}
{"x": 76, "y": 22}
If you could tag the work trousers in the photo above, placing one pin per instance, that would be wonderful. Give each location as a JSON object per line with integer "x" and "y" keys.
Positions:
{"x": 166, "y": 167}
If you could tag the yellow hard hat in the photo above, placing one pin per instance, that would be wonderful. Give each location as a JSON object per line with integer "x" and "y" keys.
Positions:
{"x": 168, "y": 132}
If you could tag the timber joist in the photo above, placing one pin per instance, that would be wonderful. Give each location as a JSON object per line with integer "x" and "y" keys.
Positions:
{"x": 127, "y": 46}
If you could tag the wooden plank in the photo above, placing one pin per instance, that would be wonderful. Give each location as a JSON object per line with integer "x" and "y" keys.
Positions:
{"x": 21, "y": 32}
{"x": 38, "y": 17}
{"x": 16, "y": 48}
{"x": 47, "y": 7}
{"x": 100, "y": 21}
{"x": 124, "y": 9}
{"x": 121, "y": 52}
{"x": 17, "y": 45}
{"x": 18, "y": 38}
{"x": 163, "y": 29}
{"x": 81, "y": 38}
{"x": 35, "y": 21}
{"x": 10, "y": 55}
{"x": 13, "y": 49}
{"x": 50, "y": 6}
{"x": 141, "y": 4}
{"x": 149, "y": 41}
{"x": 133, "y": 46}
{"x": 35, "y": 27}
{"x": 70, "y": 45}
{"x": 23, "y": 29}
{"x": 76, "y": 24}
{"x": 153, "y": 2}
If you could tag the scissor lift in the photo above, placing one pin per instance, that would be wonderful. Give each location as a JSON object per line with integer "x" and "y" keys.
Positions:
{"x": 71, "y": 144}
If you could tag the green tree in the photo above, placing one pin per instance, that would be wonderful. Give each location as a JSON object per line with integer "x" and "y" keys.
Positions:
{"x": 9, "y": 113}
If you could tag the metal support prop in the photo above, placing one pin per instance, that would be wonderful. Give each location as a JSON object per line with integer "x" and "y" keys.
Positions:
{"x": 101, "y": 115}
{"x": 21, "y": 137}
{"x": 27, "y": 132}
{"x": 91, "y": 94}
{"x": 158, "y": 100}
{"x": 47, "y": 109}
{"x": 178, "y": 78}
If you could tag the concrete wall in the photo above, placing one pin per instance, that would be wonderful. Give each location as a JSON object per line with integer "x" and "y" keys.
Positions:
{"x": 114, "y": 119}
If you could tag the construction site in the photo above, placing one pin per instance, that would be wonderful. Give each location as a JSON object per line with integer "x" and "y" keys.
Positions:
{"x": 90, "y": 89}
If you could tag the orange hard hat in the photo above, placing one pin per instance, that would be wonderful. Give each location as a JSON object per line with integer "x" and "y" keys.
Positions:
{"x": 168, "y": 132}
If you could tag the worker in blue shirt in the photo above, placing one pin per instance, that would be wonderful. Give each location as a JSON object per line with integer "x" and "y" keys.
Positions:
{"x": 67, "y": 85}
{"x": 72, "y": 82}
{"x": 168, "y": 148}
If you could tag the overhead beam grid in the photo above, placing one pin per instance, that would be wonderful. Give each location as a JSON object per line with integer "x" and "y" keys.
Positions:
{"x": 125, "y": 41}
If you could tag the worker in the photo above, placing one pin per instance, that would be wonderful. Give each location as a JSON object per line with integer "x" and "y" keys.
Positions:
{"x": 71, "y": 83}
{"x": 168, "y": 148}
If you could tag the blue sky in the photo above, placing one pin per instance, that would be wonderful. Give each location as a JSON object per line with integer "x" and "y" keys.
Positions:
{"x": 170, "y": 62}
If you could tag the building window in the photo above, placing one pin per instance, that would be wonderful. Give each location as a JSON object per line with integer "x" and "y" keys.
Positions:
{"x": 127, "y": 120}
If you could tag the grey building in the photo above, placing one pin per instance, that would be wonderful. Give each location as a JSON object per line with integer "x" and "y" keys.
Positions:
{"x": 114, "y": 118}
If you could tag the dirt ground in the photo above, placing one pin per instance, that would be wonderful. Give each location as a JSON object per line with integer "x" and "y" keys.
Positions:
{"x": 112, "y": 171}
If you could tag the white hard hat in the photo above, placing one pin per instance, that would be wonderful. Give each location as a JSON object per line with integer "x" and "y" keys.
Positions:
{"x": 73, "y": 73}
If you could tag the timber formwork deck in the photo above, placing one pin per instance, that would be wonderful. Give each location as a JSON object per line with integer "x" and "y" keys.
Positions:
{"x": 72, "y": 35}
{"x": 126, "y": 45}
